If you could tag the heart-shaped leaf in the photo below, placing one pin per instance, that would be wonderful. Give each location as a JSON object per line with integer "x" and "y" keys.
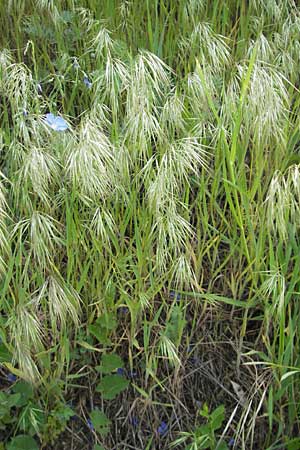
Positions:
{"x": 22, "y": 442}
{"x": 100, "y": 334}
{"x": 25, "y": 390}
{"x": 100, "y": 422}
{"x": 110, "y": 363}
{"x": 111, "y": 385}
{"x": 107, "y": 321}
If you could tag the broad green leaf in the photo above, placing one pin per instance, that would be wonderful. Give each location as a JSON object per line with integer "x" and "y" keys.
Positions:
{"x": 23, "y": 442}
{"x": 5, "y": 355}
{"x": 100, "y": 422}
{"x": 25, "y": 390}
{"x": 4, "y": 406}
{"x": 99, "y": 333}
{"x": 203, "y": 430}
{"x": 294, "y": 444}
{"x": 96, "y": 331}
{"x": 111, "y": 385}
{"x": 217, "y": 417}
{"x": 110, "y": 363}
{"x": 13, "y": 400}
{"x": 204, "y": 412}
{"x": 64, "y": 412}
{"x": 107, "y": 321}
{"x": 98, "y": 447}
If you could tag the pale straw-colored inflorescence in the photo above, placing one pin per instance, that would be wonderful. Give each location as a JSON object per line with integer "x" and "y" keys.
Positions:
{"x": 44, "y": 235}
{"x": 62, "y": 302}
{"x": 26, "y": 336}
{"x": 91, "y": 162}
{"x": 207, "y": 47}
{"x": 4, "y": 237}
{"x": 283, "y": 201}
{"x": 39, "y": 170}
{"x": 265, "y": 106}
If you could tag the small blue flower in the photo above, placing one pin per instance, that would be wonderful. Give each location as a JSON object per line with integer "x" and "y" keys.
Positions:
{"x": 231, "y": 442}
{"x": 123, "y": 310}
{"x": 163, "y": 428}
{"x": 194, "y": 360}
{"x": 76, "y": 64}
{"x": 135, "y": 421}
{"x": 132, "y": 374}
{"x": 11, "y": 377}
{"x": 120, "y": 371}
{"x": 57, "y": 123}
{"x": 90, "y": 425}
{"x": 87, "y": 82}
{"x": 175, "y": 295}
{"x": 25, "y": 113}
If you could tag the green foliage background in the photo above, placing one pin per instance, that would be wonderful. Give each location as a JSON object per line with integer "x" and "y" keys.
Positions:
{"x": 160, "y": 230}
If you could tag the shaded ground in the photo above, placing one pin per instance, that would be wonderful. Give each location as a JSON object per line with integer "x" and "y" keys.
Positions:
{"x": 212, "y": 372}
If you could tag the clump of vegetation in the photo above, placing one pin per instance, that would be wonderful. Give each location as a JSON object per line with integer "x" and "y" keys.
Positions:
{"x": 149, "y": 224}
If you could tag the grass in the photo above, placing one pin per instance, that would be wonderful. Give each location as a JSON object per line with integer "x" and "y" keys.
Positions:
{"x": 162, "y": 225}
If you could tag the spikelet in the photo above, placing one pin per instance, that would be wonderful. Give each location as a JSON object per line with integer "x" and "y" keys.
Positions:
{"x": 266, "y": 103}
{"x": 44, "y": 235}
{"x": 209, "y": 48}
{"x": 273, "y": 289}
{"x": 149, "y": 82}
{"x": 283, "y": 201}
{"x": 168, "y": 350}
{"x": 4, "y": 235}
{"x": 38, "y": 172}
{"x": 26, "y": 336}
{"x": 61, "y": 301}
{"x": 90, "y": 164}
{"x": 103, "y": 224}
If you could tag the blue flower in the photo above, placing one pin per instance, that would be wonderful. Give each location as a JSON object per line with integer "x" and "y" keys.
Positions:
{"x": 120, "y": 371}
{"x": 87, "y": 82}
{"x": 132, "y": 374}
{"x": 231, "y": 442}
{"x": 123, "y": 310}
{"x": 163, "y": 428}
{"x": 90, "y": 425}
{"x": 194, "y": 360}
{"x": 174, "y": 295}
{"x": 11, "y": 377}
{"x": 135, "y": 421}
{"x": 57, "y": 123}
{"x": 76, "y": 64}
